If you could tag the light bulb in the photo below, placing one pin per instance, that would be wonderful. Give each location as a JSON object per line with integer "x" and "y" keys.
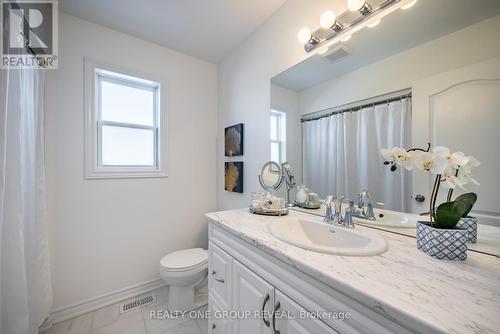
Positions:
{"x": 355, "y": 5}
{"x": 409, "y": 5}
{"x": 327, "y": 19}
{"x": 304, "y": 35}
{"x": 374, "y": 24}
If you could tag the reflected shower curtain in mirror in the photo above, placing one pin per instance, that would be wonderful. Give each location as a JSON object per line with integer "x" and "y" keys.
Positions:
{"x": 341, "y": 153}
{"x": 25, "y": 285}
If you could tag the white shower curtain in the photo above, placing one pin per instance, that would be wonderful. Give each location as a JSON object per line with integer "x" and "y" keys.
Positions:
{"x": 25, "y": 285}
{"x": 341, "y": 153}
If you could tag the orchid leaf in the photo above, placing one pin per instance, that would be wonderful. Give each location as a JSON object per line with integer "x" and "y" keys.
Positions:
{"x": 449, "y": 213}
{"x": 469, "y": 199}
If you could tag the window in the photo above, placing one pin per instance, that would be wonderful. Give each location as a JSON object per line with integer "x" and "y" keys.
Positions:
{"x": 278, "y": 136}
{"x": 123, "y": 130}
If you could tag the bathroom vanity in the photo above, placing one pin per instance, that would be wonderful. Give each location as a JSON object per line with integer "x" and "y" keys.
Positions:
{"x": 399, "y": 291}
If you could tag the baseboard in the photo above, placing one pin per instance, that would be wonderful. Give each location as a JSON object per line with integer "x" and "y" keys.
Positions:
{"x": 92, "y": 304}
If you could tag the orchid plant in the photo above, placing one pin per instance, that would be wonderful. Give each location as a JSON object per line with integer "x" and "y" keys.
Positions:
{"x": 451, "y": 169}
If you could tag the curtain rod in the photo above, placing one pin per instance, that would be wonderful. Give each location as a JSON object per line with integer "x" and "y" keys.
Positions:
{"x": 358, "y": 105}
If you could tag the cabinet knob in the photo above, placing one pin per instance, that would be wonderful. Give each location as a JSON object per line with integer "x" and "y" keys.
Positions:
{"x": 420, "y": 198}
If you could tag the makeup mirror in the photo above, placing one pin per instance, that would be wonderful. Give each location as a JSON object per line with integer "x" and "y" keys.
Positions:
{"x": 271, "y": 177}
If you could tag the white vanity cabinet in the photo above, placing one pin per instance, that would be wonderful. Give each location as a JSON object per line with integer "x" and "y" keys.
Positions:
{"x": 243, "y": 277}
{"x": 252, "y": 305}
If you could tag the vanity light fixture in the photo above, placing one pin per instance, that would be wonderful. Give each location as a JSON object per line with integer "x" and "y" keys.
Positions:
{"x": 374, "y": 24}
{"x": 360, "y": 13}
{"x": 359, "y": 6}
{"x": 328, "y": 20}
{"x": 306, "y": 37}
{"x": 409, "y": 5}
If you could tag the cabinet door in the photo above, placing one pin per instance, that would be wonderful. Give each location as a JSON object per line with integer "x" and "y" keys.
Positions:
{"x": 291, "y": 318}
{"x": 217, "y": 323}
{"x": 219, "y": 275}
{"x": 252, "y": 302}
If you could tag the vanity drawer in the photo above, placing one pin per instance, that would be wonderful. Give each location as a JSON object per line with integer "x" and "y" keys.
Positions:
{"x": 219, "y": 275}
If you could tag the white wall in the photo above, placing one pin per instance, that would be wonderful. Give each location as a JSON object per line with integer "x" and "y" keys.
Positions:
{"x": 464, "y": 47}
{"x": 244, "y": 79}
{"x": 287, "y": 101}
{"x": 106, "y": 235}
{"x": 245, "y": 88}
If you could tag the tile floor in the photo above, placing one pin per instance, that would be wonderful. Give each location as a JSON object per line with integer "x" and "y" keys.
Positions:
{"x": 108, "y": 320}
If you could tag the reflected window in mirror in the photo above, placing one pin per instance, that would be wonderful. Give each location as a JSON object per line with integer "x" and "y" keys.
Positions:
{"x": 278, "y": 136}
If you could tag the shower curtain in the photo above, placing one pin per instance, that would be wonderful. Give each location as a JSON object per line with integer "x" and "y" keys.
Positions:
{"x": 341, "y": 153}
{"x": 25, "y": 285}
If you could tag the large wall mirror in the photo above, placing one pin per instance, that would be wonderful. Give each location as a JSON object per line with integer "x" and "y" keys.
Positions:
{"x": 417, "y": 77}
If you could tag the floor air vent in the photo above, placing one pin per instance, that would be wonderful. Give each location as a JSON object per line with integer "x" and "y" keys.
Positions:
{"x": 138, "y": 302}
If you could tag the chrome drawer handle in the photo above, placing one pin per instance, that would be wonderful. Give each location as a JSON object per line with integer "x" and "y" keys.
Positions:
{"x": 276, "y": 308}
{"x": 266, "y": 299}
{"x": 221, "y": 280}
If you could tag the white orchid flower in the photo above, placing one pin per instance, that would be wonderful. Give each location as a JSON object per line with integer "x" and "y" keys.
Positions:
{"x": 431, "y": 162}
{"x": 473, "y": 162}
{"x": 466, "y": 178}
{"x": 406, "y": 159}
{"x": 392, "y": 154}
{"x": 465, "y": 171}
{"x": 456, "y": 159}
{"x": 452, "y": 181}
{"x": 399, "y": 156}
{"x": 441, "y": 150}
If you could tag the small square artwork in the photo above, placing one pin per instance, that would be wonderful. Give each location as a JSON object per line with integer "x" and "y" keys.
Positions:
{"x": 233, "y": 138}
{"x": 233, "y": 176}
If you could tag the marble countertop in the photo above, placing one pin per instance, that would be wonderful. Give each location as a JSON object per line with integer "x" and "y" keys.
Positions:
{"x": 402, "y": 283}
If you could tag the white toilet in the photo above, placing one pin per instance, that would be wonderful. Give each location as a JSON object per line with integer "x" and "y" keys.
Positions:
{"x": 183, "y": 271}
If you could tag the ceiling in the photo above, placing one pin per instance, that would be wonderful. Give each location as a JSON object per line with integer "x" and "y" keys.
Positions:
{"x": 207, "y": 29}
{"x": 398, "y": 31}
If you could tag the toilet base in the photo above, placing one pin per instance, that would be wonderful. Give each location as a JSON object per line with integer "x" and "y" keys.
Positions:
{"x": 180, "y": 298}
{"x": 186, "y": 298}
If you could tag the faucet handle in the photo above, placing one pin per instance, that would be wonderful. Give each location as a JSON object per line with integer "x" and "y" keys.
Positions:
{"x": 338, "y": 203}
{"x": 348, "y": 218}
{"x": 369, "y": 211}
{"x": 359, "y": 198}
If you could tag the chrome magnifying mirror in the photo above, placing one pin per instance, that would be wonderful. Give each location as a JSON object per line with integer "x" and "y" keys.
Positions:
{"x": 271, "y": 176}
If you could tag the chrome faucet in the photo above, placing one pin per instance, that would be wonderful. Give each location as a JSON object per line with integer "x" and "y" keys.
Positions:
{"x": 328, "y": 214}
{"x": 335, "y": 217}
{"x": 365, "y": 206}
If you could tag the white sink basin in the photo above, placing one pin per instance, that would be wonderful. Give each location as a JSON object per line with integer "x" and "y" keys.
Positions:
{"x": 387, "y": 218}
{"x": 325, "y": 238}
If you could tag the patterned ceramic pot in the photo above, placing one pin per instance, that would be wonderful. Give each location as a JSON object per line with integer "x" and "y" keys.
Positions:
{"x": 470, "y": 224}
{"x": 442, "y": 244}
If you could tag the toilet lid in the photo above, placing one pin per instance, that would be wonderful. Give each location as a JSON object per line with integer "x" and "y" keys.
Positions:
{"x": 186, "y": 258}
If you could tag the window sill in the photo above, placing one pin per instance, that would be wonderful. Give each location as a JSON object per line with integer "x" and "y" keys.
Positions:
{"x": 124, "y": 174}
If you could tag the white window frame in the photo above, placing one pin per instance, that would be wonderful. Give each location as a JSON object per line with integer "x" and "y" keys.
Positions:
{"x": 281, "y": 134}
{"x": 95, "y": 73}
